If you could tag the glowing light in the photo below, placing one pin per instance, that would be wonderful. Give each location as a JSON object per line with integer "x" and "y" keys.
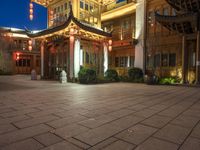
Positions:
{"x": 110, "y": 42}
{"x": 30, "y": 42}
{"x": 71, "y": 31}
{"x": 30, "y": 48}
{"x": 110, "y": 48}
{"x": 31, "y": 11}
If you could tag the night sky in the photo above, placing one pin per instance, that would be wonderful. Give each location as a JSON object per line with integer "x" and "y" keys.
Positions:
{"x": 15, "y": 13}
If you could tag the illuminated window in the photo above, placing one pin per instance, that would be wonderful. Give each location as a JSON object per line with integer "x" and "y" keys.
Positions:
{"x": 65, "y": 6}
{"x": 86, "y": 7}
{"x": 82, "y": 4}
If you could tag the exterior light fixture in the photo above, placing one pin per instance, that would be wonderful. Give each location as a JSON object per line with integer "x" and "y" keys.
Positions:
{"x": 30, "y": 43}
{"x": 31, "y": 11}
{"x": 17, "y": 56}
{"x": 110, "y": 45}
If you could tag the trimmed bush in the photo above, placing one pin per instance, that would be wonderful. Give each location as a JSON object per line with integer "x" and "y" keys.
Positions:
{"x": 135, "y": 75}
{"x": 87, "y": 76}
{"x": 111, "y": 75}
{"x": 168, "y": 80}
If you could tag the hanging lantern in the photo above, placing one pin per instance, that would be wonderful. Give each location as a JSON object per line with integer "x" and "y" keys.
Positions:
{"x": 30, "y": 43}
{"x": 31, "y": 11}
{"x": 110, "y": 42}
{"x": 17, "y": 56}
{"x": 30, "y": 48}
{"x": 51, "y": 14}
{"x": 110, "y": 48}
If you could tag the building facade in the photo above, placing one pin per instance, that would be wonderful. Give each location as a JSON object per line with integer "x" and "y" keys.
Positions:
{"x": 172, "y": 47}
{"x": 17, "y": 56}
{"x": 87, "y": 34}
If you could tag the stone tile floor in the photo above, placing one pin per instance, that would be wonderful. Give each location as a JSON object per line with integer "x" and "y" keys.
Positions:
{"x": 47, "y": 115}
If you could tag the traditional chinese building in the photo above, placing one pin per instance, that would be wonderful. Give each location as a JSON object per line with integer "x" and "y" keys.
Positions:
{"x": 78, "y": 35}
{"x": 18, "y": 53}
{"x": 173, "y": 39}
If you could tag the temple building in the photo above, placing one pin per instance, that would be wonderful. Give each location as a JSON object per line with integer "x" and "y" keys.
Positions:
{"x": 172, "y": 39}
{"x": 18, "y": 53}
{"x": 88, "y": 34}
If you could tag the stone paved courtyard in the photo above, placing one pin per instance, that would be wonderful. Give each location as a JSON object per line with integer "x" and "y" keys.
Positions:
{"x": 122, "y": 116}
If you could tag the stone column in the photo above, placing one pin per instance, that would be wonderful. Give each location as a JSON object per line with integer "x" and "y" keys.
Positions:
{"x": 105, "y": 62}
{"x": 198, "y": 59}
{"x": 42, "y": 58}
{"x": 184, "y": 60}
{"x": 77, "y": 51}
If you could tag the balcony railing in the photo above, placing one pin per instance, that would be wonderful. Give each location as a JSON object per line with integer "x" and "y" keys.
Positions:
{"x": 123, "y": 34}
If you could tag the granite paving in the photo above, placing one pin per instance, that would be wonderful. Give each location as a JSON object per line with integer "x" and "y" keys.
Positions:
{"x": 47, "y": 115}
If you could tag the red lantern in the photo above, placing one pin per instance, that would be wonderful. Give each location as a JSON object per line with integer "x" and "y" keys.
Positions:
{"x": 30, "y": 48}
{"x": 31, "y": 11}
{"x": 30, "y": 42}
{"x": 17, "y": 56}
{"x": 110, "y": 42}
{"x": 110, "y": 48}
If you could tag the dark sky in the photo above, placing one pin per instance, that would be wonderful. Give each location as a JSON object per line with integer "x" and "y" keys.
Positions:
{"x": 15, "y": 13}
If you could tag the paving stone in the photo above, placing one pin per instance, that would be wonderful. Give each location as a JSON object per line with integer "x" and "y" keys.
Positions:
{"x": 120, "y": 113}
{"x": 98, "y": 121}
{"x": 66, "y": 121}
{"x": 23, "y": 134}
{"x": 70, "y": 131}
{"x": 35, "y": 121}
{"x": 13, "y": 119}
{"x": 28, "y": 144}
{"x": 173, "y": 133}
{"x": 145, "y": 113}
{"x": 136, "y": 134}
{"x": 78, "y": 143}
{"x": 119, "y": 145}
{"x": 62, "y": 146}
{"x": 156, "y": 144}
{"x": 157, "y": 121}
{"x": 185, "y": 121}
{"x": 191, "y": 144}
{"x": 98, "y": 134}
{"x": 196, "y": 131}
{"x": 7, "y": 128}
{"x": 48, "y": 139}
{"x": 103, "y": 144}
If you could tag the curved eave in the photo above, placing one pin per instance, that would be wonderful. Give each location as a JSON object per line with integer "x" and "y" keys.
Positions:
{"x": 70, "y": 19}
{"x": 183, "y": 24}
{"x": 185, "y": 5}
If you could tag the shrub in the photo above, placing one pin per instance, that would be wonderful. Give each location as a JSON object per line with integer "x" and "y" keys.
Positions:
{"x": 86, "y": 76}
{"x": 135, "y": 74}
{"x": 168, "y": 80}
{"x": 111, "y": 75}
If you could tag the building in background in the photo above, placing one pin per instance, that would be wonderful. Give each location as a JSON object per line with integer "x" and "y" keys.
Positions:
{"x": 18, "y": 53}
{"x": 119, "y": 18}
{"x": 172, "y": 39}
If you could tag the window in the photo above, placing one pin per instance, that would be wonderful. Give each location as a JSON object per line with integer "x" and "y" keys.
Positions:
{"x": 173, "y": 12}
{"x": 87, "y": 58}
{"x": 132, "y": 61}
{"x": 172, "y": 60}
{"x": 116, "y": 61}
{"x": 164, "y": 60}
{"x": 165, "y": 11}
{"x": 65, "y": 6}
{"x": 86, "y": 6}
{"x": 157, "y": 60}
{"x": 82, "y": 4}
{"x": 61, "y": 8}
